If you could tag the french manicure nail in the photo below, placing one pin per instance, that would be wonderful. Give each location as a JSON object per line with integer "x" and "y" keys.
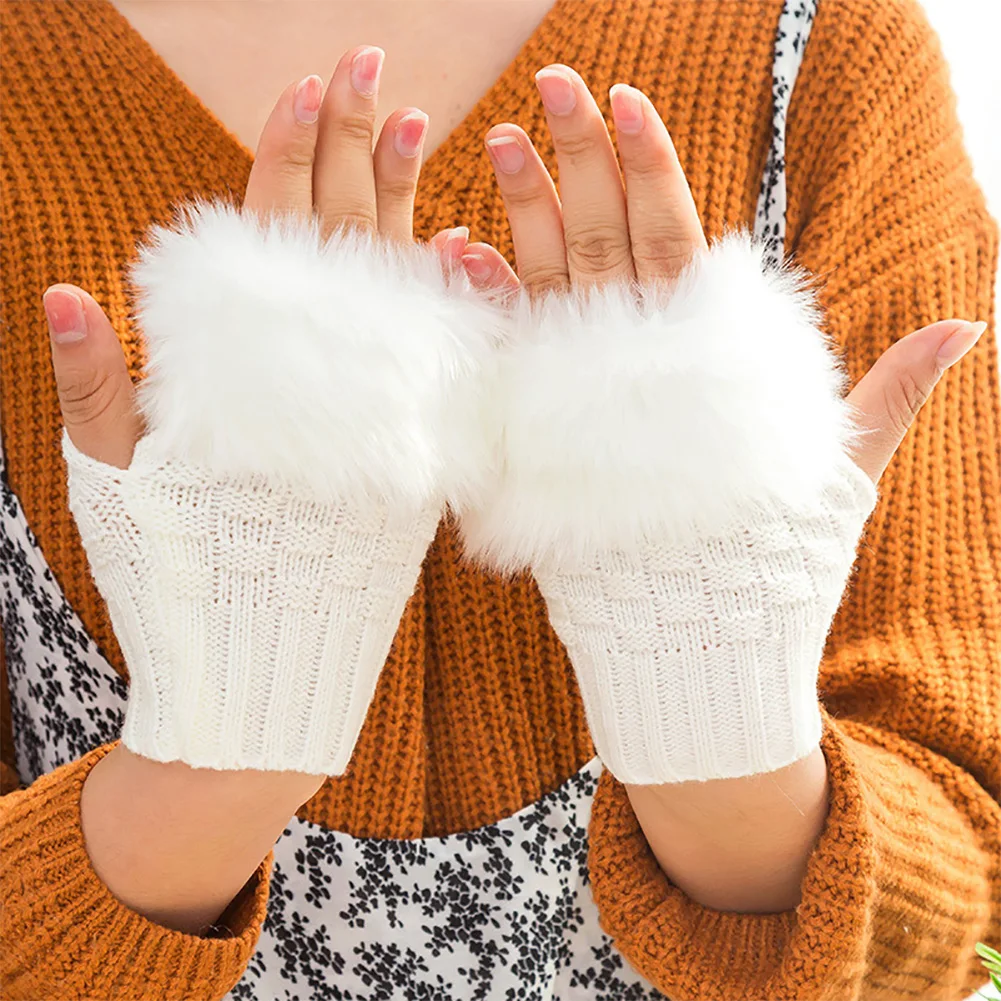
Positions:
{"x": 627, "y": 109}
{"x": 64, "y": 312}
{"x": 959, "y": 342}
{"x": 557, "y": 91}
{"x": 365, "y": 69}
{"x": 456, "y": 243}
{"x": 409, "y": 135}
{"x": 507, "y": 153}
{"x": 306, "y": 99}
{"x": 477, "y": 266}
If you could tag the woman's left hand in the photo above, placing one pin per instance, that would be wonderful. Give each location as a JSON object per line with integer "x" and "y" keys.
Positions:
{"x": 642, "y": 224}
{"x": 599, "y": 229}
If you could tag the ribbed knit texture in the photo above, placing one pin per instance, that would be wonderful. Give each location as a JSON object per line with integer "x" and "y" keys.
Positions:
{"x": 698, "y": 661}
{"x": 477, "y": 711}
{"x": 255, "y": 618}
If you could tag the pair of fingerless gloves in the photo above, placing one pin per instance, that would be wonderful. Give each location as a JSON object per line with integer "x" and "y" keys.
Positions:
{"x": 669, "y": 461}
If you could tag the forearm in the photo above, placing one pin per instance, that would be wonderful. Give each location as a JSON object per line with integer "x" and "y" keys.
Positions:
{"x": 737, "y": 844}
{"x": 176, "y": 843}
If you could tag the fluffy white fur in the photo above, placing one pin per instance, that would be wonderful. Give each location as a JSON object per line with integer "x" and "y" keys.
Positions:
{"x": 661, "y": 412}
{"x": 351, "y": 365}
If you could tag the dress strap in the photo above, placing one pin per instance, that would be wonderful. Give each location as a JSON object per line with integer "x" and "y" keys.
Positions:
{"x": 795, "y": 23}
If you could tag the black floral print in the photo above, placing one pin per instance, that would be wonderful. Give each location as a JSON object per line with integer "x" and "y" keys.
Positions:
{"x": 65, "y": 698}
{"x": 795, "y": 22}
{"x": 504, "y": 911}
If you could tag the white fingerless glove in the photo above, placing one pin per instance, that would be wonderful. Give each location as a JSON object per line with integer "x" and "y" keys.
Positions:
{"x": 673, "y": 470}
{"x": 310, "y": 406}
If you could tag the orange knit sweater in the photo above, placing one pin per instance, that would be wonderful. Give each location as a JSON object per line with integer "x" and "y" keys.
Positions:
{"x": 477, "y": 712}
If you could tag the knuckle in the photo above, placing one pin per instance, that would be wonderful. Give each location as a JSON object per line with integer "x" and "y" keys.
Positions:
{"x": 598, "y": 250}
{"x": 85, "y": 397}
{"x": 525, "y": 198}
{"x": 356, "y": 128}
{"x": 297, "y": 159}
{"x": 397, "y": 189}
{"x": 349, "y": 217}
{"x": 545, "y": 279}
{"x": 284, "y": 154}
{"x": 661, "y": 252}
{"x": 903, "y": 397}
{"x": 646, "y": 166}
{"x": 577, "y": 147}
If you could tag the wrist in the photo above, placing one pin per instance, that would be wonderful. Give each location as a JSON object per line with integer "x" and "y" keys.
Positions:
{"x": 176, "y": 844}
{"x": 124, "y": 781}
{"x": 228, "y": 789}
{"x": 738, "y": 844}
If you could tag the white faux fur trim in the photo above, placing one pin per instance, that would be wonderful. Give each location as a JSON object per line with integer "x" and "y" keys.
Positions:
{"x": 626, "y": 415}
{"x": 348, "y": 365}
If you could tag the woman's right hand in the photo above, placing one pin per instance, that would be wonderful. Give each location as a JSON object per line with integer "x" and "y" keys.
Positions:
{"x": 173, "y": 842}
{"x": 313, "y": 155}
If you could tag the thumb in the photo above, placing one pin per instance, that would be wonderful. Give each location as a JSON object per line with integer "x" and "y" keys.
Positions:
{"x": 96, "y": 395}
{"x": 888, "y": 397}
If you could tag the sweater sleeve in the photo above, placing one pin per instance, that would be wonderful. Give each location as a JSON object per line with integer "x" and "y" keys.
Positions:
{"x": 905, "y": 877}
{"x": 9, "y": 780}
{"x": 66, "y": 938}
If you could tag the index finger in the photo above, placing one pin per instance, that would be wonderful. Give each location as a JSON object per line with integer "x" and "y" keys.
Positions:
{"x": 595, "y": 224}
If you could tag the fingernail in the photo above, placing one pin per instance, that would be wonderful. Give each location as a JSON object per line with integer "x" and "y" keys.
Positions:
{"x": 477, "y": 266}
{"x": 365, "y": 69}
{"x": 557, "y": 91}
{"x": 409, "y": 135}
{"x": 627, "y": 109}
{"x": 959, "y": 342}
{"x": 507, "y": 153}
{"x": 456, "y": 243}
{"x": 64, "y": 311}
{"x": 306, "y": 99}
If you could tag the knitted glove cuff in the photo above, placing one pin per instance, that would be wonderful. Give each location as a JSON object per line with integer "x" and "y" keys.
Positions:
{"x": 700, "y": 660}
{"x": 309, "y": 406}
{"x": 254, "y": 618}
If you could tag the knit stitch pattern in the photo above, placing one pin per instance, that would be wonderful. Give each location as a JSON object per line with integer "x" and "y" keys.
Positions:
{"x": 255, "y": 620}
{"x": 699, "y": 661}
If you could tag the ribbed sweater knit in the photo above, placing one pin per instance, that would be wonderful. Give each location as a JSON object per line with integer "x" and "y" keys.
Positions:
{"x": 477, "y": 712}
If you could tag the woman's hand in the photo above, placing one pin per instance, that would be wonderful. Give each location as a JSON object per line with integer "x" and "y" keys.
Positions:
{"x": 641, "y": 223}
{"x": 173, "y": 842}
{"x": 315, "y": 154}
{"x": 633, "y": 218}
